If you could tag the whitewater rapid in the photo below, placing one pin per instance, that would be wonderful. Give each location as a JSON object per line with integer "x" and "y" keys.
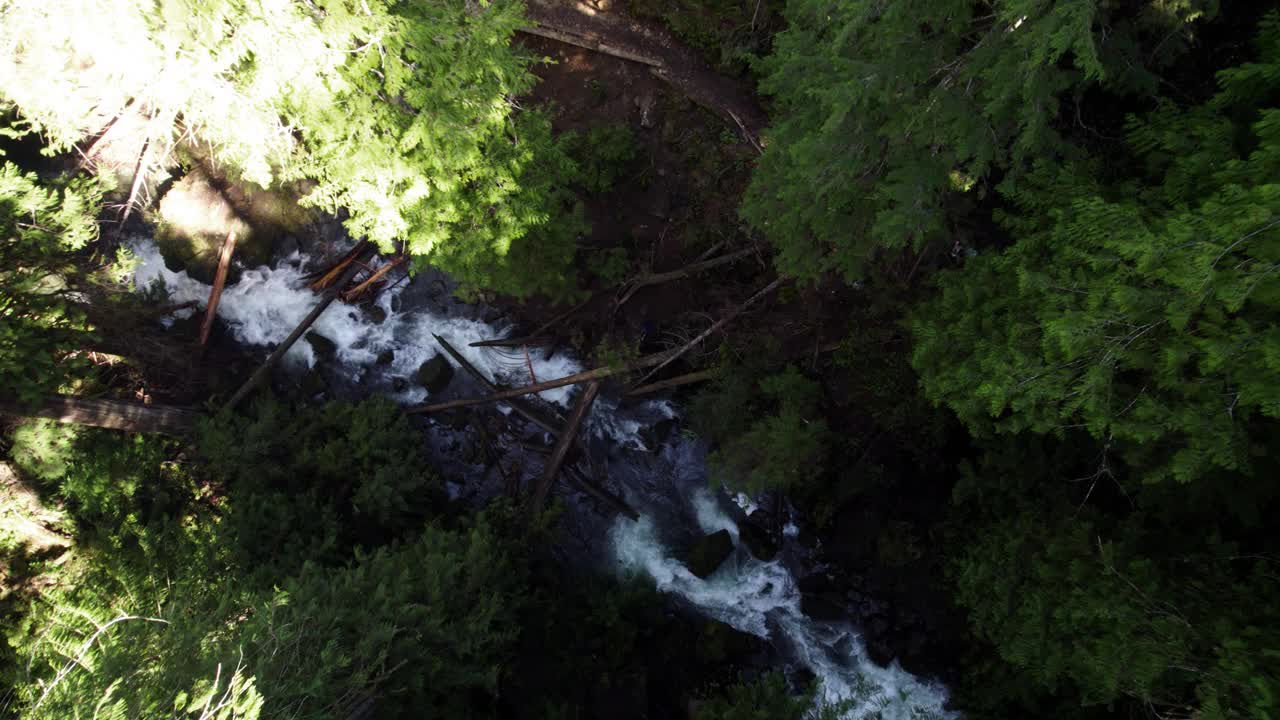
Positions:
{"x": 760, "y": 598}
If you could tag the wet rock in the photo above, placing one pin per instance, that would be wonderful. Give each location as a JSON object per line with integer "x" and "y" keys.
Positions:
{"x": 720, "y": 644}
{"x": 879, "y": 651}
{"x": 657, "y": 434}
{"x": 323, "y": 347}
{"x": 435, "y": 374}
{"x": 312, "y": 385}
{"x": 757, "y": 540}
{"x": 399, "y": 384}
{"x": 709, "y": 553}
{"x": 376, "y": 314}
{"x": 823, "y": 606}
{"x": 386, "y": 357}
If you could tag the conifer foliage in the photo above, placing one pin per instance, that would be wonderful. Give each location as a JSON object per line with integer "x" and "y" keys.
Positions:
{"x": 1144, "y": 308}
{"x": 891, "y": 117}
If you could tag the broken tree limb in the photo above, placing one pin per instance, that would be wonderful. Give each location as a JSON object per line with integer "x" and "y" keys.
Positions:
{"x": 631, "y": 286}
{"x": 677, "y": 381}
{"x": 112, "y": 414}
{"x": 326, "y": 298}
{"x": 219, "y": 282}
{"x": 599, "y": 493}
{"x": 506, "y": 395}
{"x": 590, "y": 44}
{"x": 374, "y": 277}
{"x": 563, "y": 443}
{"x": 326, "y": 278}
{"x": 512, "y": 342}
{"x": 719, "y": 324}
{"x": 524, "y": 409}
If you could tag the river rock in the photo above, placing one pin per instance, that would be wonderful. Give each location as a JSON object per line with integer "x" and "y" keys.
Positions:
{"x": 719, "y": 644}
{"x": 709, "y": 553}
{"x": 376, "y": 314}
{"x": 435, "y": 374}
{"x": 386, "y": 357}
{"x": 757, "y": 540}
{"x": 823, "y": 606}
{"x": 323, "y": 347}
{"x": 312, "y": 384}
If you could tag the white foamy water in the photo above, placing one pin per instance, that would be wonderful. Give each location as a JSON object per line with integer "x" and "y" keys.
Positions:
{"x": 268, "y": 303}
{"x": 762, "y": 598}
{"x": 753, "y": 596}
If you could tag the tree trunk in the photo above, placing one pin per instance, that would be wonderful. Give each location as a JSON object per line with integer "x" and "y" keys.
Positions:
{"x": 219, "y": 282}
{"x": 563, "y": 443}
{"x": 587, "y": 376}
{"x": 689, "y": 378}
{"x": 112, "y": 414}
{"x": 599, "y": 493}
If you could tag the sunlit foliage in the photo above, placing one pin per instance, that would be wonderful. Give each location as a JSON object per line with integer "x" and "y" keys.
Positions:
{"x": 400, "y": 114}
{"x": 41, "y": 225}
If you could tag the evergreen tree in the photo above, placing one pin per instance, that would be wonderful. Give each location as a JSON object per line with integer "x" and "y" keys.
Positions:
{"x": 41, "y": 326}
{"x": 1143, "y": 308}
{"x": 889, "y": 116}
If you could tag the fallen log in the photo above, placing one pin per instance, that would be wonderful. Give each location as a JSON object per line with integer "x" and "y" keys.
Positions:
{"x": 631, "y": 286}
{"x": 524, "y": 409}
{"x": 599, "y": 493}
{"x": 563, "y": 443}
{"x": 677, "y": 381}
{"x": 327, "y": 298}
{"x": 374, "y": 277}
{"x": 111, "y": 414}
{"x": 589, "y": 44}
{"x": 326, "y": 278}
{"x": 719, "y": 324}
{"x": 507, "y": 395}
{"x": 219, "y": 282}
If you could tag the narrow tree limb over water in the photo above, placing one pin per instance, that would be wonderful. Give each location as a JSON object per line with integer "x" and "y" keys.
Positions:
{"x": 260, "y": 375}
{"x": 219, "y": 282}
{"x": 111, "y": 414}
{"x": 355, "y": 292}
{"x": 587, "y": 376}
{"x": 563, "y": 443}
{"x": 719, "y": 324}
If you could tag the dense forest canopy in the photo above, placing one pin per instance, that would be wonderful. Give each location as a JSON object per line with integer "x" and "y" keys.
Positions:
{"x": 1023, "y": 368}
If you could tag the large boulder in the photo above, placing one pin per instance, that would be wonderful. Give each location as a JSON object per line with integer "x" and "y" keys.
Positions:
{"x": 198, "y": 212}
{"x": 757, "y": 540}
{"x": 323, "y": 347}
{"x": 435, "y": 374}
{"x": 709, "y": 553}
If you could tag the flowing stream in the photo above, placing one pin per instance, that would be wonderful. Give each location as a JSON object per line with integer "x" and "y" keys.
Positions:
{"x": 664, "y": 478}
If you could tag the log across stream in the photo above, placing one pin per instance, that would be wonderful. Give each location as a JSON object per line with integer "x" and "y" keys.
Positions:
{"x": 633, "y": 444}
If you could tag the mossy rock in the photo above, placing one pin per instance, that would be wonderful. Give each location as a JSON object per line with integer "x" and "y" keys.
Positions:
{"x": 200, "y": 210}
{"x": 435, "y": 374}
